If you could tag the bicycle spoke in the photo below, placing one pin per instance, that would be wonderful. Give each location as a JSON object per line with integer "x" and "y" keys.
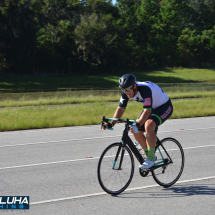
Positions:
{"x": 170, "y": 173}
{"x": 115, "y": 180}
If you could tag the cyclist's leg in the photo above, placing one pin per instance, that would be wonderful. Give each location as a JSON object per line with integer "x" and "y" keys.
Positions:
{"x": 160, "y": 115}
{"x": 151, "y": 138}
{"x": 148, "y": 127}
{"x": 140, "y": 138}
{"x": 157, "y": 118}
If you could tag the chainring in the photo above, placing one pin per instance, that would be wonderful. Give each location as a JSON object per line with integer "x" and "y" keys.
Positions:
{"x": 143, "y": 173}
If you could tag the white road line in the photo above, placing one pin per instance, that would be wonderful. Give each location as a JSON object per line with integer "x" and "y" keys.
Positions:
{"x": 44, "y": 130}
{"x": 92, "y": 138}
{"x": 40, "y": 164}
{"x": 59, "y": 141}
{"x": 76, "y": 160}
{"x": 103, "y": 193}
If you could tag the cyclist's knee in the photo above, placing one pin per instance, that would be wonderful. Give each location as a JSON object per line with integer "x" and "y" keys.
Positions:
{"x": 150, "y": 126}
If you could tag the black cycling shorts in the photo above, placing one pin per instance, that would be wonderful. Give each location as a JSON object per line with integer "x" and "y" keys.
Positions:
{"x": 160, "y": 114}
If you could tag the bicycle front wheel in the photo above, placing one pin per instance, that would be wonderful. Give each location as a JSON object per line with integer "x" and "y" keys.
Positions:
{"x": 173, "y": 157}
{"x": 115, "y": 168}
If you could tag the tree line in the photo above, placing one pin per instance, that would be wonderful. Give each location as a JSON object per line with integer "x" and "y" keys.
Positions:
{"x": 95, "y": 36}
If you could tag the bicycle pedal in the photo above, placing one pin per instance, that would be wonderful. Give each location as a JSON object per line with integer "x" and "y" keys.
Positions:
{"x": 144, "y": 170}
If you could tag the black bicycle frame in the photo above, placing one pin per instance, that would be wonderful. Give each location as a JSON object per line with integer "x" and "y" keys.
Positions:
{"x": 127, "y": 140}
{"x": 165, "y": 161}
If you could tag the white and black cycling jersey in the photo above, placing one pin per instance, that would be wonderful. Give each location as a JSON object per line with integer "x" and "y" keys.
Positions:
{"x": 148, "y": 93}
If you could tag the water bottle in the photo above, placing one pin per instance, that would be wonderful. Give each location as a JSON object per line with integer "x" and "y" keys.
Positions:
{"x": 139, "y": 148}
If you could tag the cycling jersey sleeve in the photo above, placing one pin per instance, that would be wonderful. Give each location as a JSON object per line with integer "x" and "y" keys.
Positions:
{"x": 146, "y": 94}
{"x": 123, "y": 100}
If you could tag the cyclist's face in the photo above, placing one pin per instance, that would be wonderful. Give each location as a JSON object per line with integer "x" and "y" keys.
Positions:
{"x": 129, "y": 92}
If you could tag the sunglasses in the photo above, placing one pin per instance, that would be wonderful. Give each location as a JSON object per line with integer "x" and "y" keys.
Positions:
{"x": 126, "y": 90}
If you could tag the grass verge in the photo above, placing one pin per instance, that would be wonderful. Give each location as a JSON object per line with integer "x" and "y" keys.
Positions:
{"x": 87, "y": 114}
{"x": 35, "y": 84}
{"x": 89, "y": 97}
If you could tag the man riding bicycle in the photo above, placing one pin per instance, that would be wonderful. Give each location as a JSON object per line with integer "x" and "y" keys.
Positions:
{"x": 157, "y": 108}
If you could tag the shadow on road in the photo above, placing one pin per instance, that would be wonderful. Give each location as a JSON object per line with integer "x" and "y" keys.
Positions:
{"x": 175, "y": 191}
{"x": 193, "y": 190}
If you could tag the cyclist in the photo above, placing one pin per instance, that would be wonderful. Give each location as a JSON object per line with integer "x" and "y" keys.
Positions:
{"x": 157, "y": 108}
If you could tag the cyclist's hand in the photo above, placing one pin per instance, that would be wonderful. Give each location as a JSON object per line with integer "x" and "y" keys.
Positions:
{"x": 134, "y": 129}
{"x": 104, "y": 126}
{"x": 110, "y": 125}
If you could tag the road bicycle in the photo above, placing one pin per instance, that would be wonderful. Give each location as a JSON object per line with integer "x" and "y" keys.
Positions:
{"x": 116, "y": 164}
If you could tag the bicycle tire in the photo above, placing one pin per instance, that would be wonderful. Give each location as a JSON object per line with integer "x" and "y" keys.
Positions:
{"x": 169, "y": 174}
{"x": 112, "y": 179}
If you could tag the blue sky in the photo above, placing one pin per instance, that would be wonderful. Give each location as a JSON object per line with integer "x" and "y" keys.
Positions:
{"x": 114, "y": 1}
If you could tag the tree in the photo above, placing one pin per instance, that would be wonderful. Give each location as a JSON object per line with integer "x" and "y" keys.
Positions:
{"x": 18, "y": 27}
{"x": 203, "y": 15}
{"x": 197, "y": 49}
{"x": 149, "y": 17}
{"x": 175, "y": 15}
{"x": 131, "y": 34}
{"x": 95, "y": 37}
{"x": 55, "y": 39}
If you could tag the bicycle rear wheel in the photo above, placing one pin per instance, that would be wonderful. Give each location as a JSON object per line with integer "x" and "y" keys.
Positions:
{"x": 168, "y": 174}
{"x": 112, "y": 177}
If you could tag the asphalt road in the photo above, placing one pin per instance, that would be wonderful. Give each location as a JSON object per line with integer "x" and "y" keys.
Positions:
{"x": 57, "y": 168}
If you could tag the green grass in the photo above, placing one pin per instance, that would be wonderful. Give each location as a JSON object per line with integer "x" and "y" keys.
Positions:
{"x": 30, "y": 91}
{"x": 93, "y": 93}
{"x": 182, "y": 75}
{"x": 36, "y": 84}
{"x": 87, "y": 114}
{"x": 60, "y": 99}
{"x": 192, "y": 94}
{"x": 86, "y": 97}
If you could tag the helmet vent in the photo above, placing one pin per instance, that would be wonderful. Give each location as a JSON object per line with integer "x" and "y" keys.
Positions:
{"x": 126, "y": 81}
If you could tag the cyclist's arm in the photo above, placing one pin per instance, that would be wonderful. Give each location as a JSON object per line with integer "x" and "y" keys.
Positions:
{"x": 121, "y": 108}
{"x": 146, "y": 94}
{"x": 118, "y": 114}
